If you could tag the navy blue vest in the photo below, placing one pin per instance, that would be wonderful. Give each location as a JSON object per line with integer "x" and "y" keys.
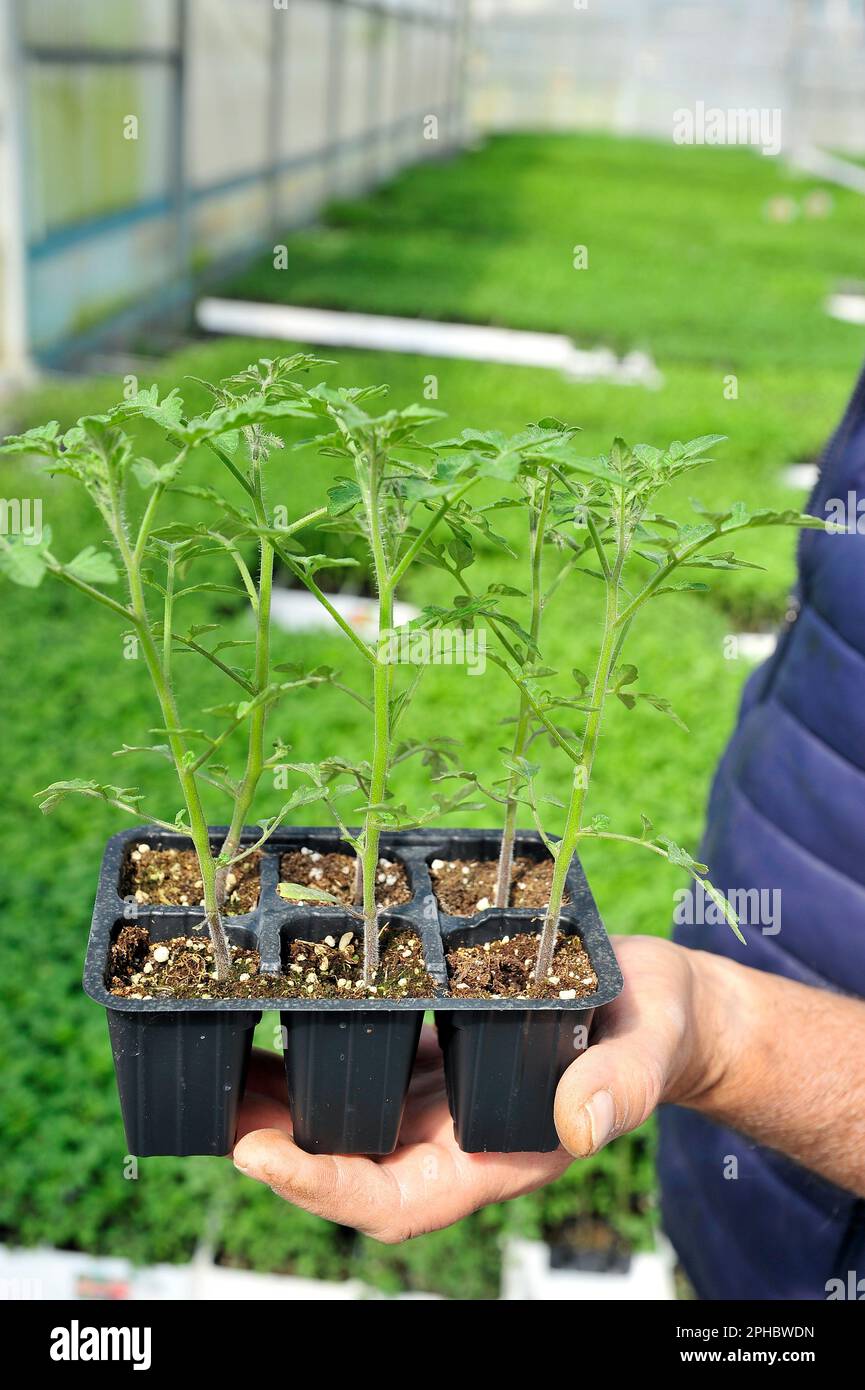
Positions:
{"x": 787, "y": 813}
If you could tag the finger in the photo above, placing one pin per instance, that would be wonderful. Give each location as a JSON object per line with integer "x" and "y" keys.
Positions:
{"x": 612, "y": 1088}
{"x": 266, "y": 1076}
{"x": 260, "y": 1112}
{"x": 350, "y": 1191}
{"x": 428, "y": 1051}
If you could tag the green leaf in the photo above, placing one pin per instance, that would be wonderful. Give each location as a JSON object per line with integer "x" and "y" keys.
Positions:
{"x": 93, "y": 566}
{"x": 149, "y": 474}
{"x": 727, "y": 908}
{"x": 722, "y": 561}
{"x": 58, "y": 791}
{"x": 255, "y": 410}
{"x": 43, "y": 439}
{"x": 301, "y": 892}
{"x": 168, "y": 412}
{"x": 506, "y": 591}
{"x": 698, "y": 447}
{"x": 681, "y": 857}
{"x": 23, "y": 562}
{"x": 344, "y": 495}
{"x": 664, "y": 707}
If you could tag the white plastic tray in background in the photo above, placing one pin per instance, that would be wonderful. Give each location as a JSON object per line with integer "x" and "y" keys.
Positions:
{"x": 528, "y": 1277}
{"x": 425, "y": 337}
{"x": 67, "y": 1276}
{"x": 297, "y": 610}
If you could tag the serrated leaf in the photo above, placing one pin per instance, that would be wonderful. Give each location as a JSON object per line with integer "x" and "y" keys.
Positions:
{"x": 93, "y": 566}
{"x": 42, "y": 439}
{"x": 58, "y": 791}
{"x": 149, "y": 474}
{"x": 21, "y": 562}
{"x": 681, "y": 857}
{"x": 664, "y": 707}
{"x": 726, "y": 907}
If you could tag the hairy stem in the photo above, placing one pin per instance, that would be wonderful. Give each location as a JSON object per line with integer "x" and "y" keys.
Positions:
{"x": 381, "y": 726}
{"x": 582, "y": 774}
{"x": 188, "y": 784}
{"x": 257, "y": 720}
{"x": 176, "y": 741}
{"x": 537, "y": 531}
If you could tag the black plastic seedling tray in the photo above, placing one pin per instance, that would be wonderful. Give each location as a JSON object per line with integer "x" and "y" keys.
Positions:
{"x": 181, "y": 1063}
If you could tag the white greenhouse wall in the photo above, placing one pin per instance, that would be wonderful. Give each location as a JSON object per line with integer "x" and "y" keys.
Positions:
{"x": 158, "y": 136}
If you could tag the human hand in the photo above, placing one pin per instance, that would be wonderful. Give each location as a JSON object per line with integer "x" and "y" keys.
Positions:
{"x": 665, "y": 1038}
{"x": 426, "y": 1183}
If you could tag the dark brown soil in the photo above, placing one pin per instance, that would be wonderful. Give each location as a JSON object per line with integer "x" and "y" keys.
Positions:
{"x": 466, "y": 886}
{"x": 172, "y": 878}
{"x": 333, "y": 969}
{"x": 503, "y": 970}
{"x": 182, "y": 968}
{"x": 334, "y": 874}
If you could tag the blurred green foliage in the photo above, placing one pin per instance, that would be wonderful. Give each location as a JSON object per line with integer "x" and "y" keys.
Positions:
{"x": 682, "y": 261}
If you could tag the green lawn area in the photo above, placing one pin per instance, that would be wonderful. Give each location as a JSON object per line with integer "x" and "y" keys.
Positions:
{"x": 684, "y": 258}
{"x": 682, "y": 262}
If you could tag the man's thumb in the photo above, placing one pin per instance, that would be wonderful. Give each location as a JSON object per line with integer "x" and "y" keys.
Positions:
{"x": 612, "y": 1088}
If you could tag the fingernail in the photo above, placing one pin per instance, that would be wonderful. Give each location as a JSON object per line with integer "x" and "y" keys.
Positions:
{"x": 601, "y": 1110}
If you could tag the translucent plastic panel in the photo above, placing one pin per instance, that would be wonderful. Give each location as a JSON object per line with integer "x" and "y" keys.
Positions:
{"x": 388, "y": 65}
{"x": 147, "y": 24}
{"x": 354, "y": 104}
{"x": 231, "y": 221}
{"x": 229, "y": 70}
{"x": 390, "y": 72}
{"x": 79, "y": 162}
{"x": 306, "y": 75}
{"x": 426, "y": 67}
{"x": 301, "y": 194}
{"x": 87, "y": 282}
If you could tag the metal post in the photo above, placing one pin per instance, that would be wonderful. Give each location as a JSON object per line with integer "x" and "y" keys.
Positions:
{"x": 179, "y": 172}
{"x": 14, "y": 336}
{"x": 333, "y": 171}
{"x": 460, "y": 47}
{"x": 375, "y": 67}
{"x": 275, "y": 109}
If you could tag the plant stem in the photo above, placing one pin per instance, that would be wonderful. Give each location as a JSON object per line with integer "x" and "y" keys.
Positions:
{"x": 188, "y": 784}
{"x": 176, "y": 741}
{"x": 306, "y": 579}
{"x": 257, "y": 720}
{"x": 582, "y": 774}
{"x": 537, "y": 531}
{"x": 381, "y": 726}
{"x": 83, "y": 587}
{"x": 168, "y": 614}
